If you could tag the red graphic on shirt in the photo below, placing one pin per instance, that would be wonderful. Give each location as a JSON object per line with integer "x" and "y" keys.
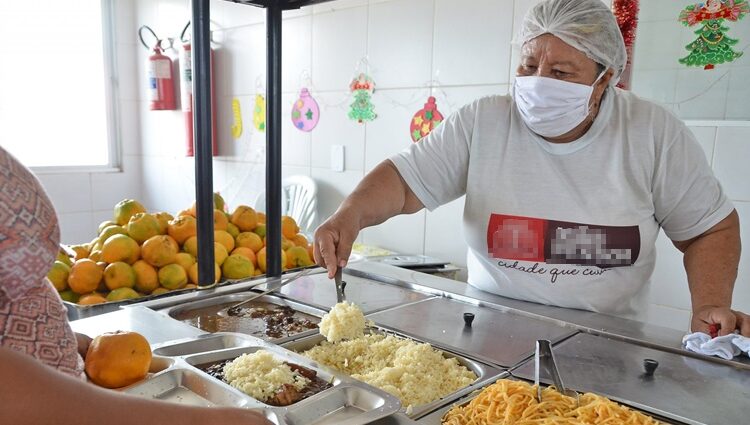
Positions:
{"x": 559, "y": 242}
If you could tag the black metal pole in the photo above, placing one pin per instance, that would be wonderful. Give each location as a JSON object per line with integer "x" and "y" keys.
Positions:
{"x": 201, "y": 69}
{"x": 273, "y": 139}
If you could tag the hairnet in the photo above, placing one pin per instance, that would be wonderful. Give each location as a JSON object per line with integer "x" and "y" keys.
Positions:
{"x": 587, "y": 25}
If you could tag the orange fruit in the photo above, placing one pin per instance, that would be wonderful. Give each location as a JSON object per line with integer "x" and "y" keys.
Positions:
{"x": 120, "y": 294}
{"x": 160, "y": 290}
{"x": 244, "y": 218}
{"x": 220, "y": 253}
{"x": 191, "y": 286}
{"x": 163, "y": 218}
{"x": 160, "y": 250}
{"x": 146, "y": 279}
{"x": 91, "y": 299}
{"x": 95, "y": 256}
{"x": 220, "y": 220}
{"x": 119, "y": 275}
{"x": 193, "y": 273}
{"x": 81, "y": 251}
{"x": 181, "y": 228}
{"x": 58, "y": 275}
{"x": 126, "y": 209}
{"x": 298, "y": 256}
{"x": 233, "y": 230}
{"x": 249, "y": 240}
{"x": 224, "y": 238}
{"x": 289, "y": 227}
{"x": 186, "y": 213}
{"x": 107, "y": 232}
{"x": 245, "y": 252}
{"x": 103, "y": 225}
{"x": 262, "y": 259}
{"x": 300, "y": 240}
{"x": 117, "y": 359}
{"x": 185, "y": 260}
{"x": 261, "y": 218}
{"x": 260, "y": 230}
{"x": 172, "y": 276}
{"x": 120, "y": 248}
{"x": 191, "y": 246}
{"x": 85, "y": 276}
{"x": 143, "y": 226}
{"x": 237, "y": 267}
{"x": 69, "y": 296}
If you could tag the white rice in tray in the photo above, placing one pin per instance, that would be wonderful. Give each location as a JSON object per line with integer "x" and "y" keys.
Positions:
{"x": 344, "y": 321}
{"x": 414, "y": 372}
{"x": 260, "y": 375}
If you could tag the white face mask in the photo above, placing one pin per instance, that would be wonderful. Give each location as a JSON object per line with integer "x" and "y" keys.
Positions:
{"x": 551, "y": 107}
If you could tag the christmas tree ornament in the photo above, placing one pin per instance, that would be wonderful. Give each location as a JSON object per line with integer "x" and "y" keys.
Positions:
{"x": 712, "y": 47}
{"x": 626, "y": 12}
{"x": 305, "y": 112}
{"x": 259, "y": 113}
{"x": 237, "y": 113}
{"x": 362, "y": 108}
{"x": 425, "y": 120}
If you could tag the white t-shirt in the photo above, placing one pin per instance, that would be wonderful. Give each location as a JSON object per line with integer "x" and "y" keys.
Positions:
{"x": 574, "y": 224}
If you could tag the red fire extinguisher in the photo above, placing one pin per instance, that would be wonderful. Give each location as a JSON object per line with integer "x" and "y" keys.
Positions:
{"x": 160, "y": 76}
{"x": 186, "y": 89}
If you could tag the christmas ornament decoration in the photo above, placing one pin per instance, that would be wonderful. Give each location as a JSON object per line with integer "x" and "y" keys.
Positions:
{"x": 259, "y": 113}
{"x": 237, "y": 112}
{"x": 305, "y": 112}
{"x": 362, "y": 108}
{"x": 425, "y": 120}
{"x": 626, "y": 12}
{"x": 712, "y": 47}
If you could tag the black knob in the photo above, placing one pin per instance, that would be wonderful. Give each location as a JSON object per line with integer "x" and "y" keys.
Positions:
{"x": 468, "y": 318}
{"x": 343, "y": 285}
{"x": 650, "y": 365}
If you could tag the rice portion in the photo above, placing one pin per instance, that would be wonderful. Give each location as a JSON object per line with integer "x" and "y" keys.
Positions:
{"x": 414, "y": 372}
{"x": 344, "y": 321}
{"x": 260, "y": 375}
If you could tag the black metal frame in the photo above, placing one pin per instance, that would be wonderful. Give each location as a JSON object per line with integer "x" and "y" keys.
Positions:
{"x": 201, "y": 68}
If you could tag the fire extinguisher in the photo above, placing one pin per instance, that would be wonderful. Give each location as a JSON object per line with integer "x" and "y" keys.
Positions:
{"x": 160, "y": 76}
{"x": 186, "y": 89}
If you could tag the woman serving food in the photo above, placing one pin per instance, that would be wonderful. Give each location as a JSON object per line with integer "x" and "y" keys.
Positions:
{"x": 568, "y": 181}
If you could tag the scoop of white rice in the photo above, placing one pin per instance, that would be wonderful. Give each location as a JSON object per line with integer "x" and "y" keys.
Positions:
{"x": 344, "y": 321}
{"x": 260, "y": 375}
{"x": 414, "y": 372}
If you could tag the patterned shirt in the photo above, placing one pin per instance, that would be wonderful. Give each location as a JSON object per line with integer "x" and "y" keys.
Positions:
{"x": 32, "y": 316}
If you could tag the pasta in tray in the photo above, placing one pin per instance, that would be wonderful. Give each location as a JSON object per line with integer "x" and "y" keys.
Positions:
{"x": 514, "y": 402}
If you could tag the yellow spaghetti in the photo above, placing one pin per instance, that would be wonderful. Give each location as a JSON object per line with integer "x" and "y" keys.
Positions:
{"x": 509, "y": 402}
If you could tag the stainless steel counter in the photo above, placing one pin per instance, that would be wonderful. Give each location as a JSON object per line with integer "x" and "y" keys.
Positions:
{"x": 499, "y": 337}
{"x": 145, "y": 321}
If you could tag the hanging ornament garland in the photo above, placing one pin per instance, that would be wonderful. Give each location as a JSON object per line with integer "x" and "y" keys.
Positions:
{"x": 305, "y": 112}
{"x": 362, "y": 108}
{"x": 425, "y": 120}
{"x": 626, "y": 12}
{"x": 259, "y": 113}
{"x": 237, "y": 112}
{"x": 712, "y": 47}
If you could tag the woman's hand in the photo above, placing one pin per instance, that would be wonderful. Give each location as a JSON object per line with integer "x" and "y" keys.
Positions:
{"x": 333, "y": 242}
{"x": 83, "y": 344}
{"x": 728, "y": 320}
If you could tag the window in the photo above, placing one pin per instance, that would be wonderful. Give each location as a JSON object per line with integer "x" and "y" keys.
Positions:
{"x": 56, "y": 101}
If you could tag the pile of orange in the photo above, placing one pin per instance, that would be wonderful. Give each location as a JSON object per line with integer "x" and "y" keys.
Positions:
{"x": 139, "y": 253}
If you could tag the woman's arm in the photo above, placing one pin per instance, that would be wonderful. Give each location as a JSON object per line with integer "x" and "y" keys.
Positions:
{"x": 711, "y": 262}
{"x": 32, "y": 393}
{"x": 382, "y": 194}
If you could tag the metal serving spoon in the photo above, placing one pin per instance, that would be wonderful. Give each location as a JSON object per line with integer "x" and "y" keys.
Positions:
{"x": 235, "y": 309}
{"x": 544, "y": 361}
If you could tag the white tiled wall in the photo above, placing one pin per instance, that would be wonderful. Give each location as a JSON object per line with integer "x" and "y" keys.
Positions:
{"x": 456, "y": 51}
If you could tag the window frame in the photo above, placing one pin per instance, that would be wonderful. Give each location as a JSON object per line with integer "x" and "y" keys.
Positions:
{"x": 111, "y": 96}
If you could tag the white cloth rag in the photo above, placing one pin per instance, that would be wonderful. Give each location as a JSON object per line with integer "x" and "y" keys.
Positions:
{"x": 727, "y": 346}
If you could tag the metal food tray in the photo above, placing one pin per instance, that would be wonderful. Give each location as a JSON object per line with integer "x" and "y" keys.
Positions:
{"x": 347, "y": 402}
{"x": 436, "y": 417}
{"x": 485, "y": 373}
{"x": 237, "y": 297}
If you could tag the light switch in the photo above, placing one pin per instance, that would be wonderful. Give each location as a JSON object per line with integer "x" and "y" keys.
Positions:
{"x": 337, "y": 158}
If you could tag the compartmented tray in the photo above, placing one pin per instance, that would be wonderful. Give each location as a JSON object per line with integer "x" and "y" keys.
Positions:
{"x": 346, "y": 401}
{"x": 485, "y": 373}
{"x": 296, "y": 319}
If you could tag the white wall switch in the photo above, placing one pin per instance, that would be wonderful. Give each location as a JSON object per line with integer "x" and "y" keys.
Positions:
{"x": 337, "y": 158}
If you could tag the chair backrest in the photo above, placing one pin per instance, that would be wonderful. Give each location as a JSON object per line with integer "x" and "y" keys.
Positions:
{"x": 298, "y": 200}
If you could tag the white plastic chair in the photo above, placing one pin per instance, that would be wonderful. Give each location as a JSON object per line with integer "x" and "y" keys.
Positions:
{"x": 298, "y": 200}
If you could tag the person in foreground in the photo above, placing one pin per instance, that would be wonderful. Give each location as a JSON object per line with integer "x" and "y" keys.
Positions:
{"x": 41, "y": 368}
{"x": 567, "y": 180}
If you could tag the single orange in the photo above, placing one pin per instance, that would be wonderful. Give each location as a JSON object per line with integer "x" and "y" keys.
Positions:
{"x": 126, "y": 209}
{"x": 181, "y": 228}
{"x": 84, "y": 276}
{"x": 119, "y": 275}
{"x": 223, "y": 237}
{"x": 118, "y": 359}
{"x": 249, "y": 240}
{"x": 244, "y": 218}
{"x": 91, "y": 299}
{"x": 120, "y": 248}
{"x": 160, "y": 250}
{"x": 146, "y": 279}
